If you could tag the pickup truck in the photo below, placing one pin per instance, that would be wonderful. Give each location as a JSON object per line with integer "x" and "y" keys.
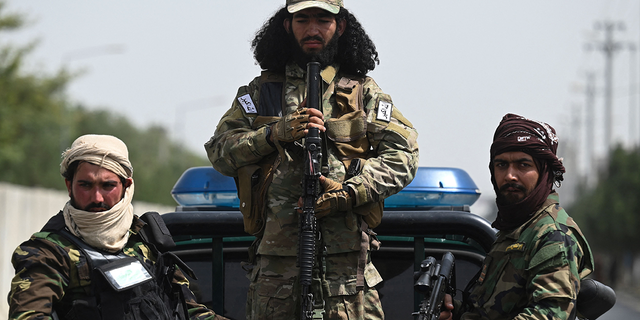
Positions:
{"x": 428, "y": 218}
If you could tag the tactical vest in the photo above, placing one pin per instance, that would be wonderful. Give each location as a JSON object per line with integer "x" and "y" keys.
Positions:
{"x": 124, "y": 287}
{"x": 346, "y": 129}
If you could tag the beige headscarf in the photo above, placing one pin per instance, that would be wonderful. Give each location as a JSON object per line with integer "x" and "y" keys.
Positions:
{"x": 107, "y": 230}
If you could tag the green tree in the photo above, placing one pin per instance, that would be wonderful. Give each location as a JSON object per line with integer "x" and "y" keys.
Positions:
{"x": 30, "y": 109}
{"x": 158, "y": 162}
{"x": 37, "y": 122}
{"x": 608, "y": 214}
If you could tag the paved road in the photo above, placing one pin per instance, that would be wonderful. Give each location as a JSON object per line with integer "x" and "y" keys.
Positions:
{"x": 627, "y": 307}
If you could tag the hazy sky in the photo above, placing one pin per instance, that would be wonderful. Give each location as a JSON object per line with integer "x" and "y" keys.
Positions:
{"x": 454, "y": 68}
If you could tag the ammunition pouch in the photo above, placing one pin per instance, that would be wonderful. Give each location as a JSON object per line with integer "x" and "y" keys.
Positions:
{"x": 347, "y": 129}
{"x": 252, "y": 183}
{"x": 349, "y": 134}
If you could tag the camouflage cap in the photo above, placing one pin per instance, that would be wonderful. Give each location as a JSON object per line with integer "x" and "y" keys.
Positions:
{"x": 332, "y": 6}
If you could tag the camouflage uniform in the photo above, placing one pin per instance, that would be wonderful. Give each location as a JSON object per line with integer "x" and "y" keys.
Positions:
{"x": 533, "y": 271}
{"x": 239, "y": 141}
{"x": 51, "y": 273}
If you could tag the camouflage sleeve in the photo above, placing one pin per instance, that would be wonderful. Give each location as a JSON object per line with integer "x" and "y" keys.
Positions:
{"x": 196, "y": 310}
{"x": 395, "y": 145}
{"x": 235, "y": 143}
{"x": 42, "y": 273}
{"x": 555, "y": 279}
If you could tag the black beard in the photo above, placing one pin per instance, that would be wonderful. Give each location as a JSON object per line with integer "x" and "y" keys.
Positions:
{"x": 326, "y": 56}
{"x": 504, "y": 200}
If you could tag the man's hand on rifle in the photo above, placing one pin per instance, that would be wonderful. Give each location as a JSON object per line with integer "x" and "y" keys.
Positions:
{"x": 294, "y": 126}
{"x": 316, "y": 118}
{"x": 336, "y": 197}
{"x": 446, "y": 313}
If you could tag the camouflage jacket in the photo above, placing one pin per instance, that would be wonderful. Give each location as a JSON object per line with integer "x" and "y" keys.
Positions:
{"x": 534, "y": 271}
{"x": 51, "y": 273}
{"x": 240, "y": 140}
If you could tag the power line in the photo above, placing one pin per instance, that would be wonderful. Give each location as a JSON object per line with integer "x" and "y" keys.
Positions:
{"x": 609, "y": 47}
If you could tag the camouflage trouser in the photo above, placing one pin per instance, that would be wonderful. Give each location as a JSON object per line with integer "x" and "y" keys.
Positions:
{"x": 274, "y": 292}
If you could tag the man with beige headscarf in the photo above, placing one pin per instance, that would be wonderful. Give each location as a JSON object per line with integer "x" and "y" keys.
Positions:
{"x": 95, "y": 259}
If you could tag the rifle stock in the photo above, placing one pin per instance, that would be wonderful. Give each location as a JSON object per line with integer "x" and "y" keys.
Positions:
{"x": 310, "y": 187}
{"x": 435, "y": 281}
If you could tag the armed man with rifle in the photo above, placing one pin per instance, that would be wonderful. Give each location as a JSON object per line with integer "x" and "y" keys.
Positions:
{"x": 310, "y": 199}
{"x": 535, "y": 267}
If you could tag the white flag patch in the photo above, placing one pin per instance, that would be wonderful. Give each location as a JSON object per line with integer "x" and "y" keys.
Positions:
{"x": 384, "y": 111}
{"x": 247, "y": 104}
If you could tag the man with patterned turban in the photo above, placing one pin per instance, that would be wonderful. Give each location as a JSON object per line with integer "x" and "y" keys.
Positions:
{"x": 534, "y": 268}
{"x": 95, "y": 259}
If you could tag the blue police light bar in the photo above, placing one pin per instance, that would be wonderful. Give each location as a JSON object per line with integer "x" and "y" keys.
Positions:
{"x": 204, "y": 186}
{"x": 432, "y": 187}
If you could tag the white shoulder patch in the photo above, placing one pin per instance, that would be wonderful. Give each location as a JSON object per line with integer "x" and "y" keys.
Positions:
{"x": 384, "y": 111}
{"x": 247, "y": 104}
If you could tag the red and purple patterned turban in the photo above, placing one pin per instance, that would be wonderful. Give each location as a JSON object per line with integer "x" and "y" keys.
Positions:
{"x": 539, "y": 140}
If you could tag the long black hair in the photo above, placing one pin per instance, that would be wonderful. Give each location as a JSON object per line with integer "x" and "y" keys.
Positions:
{"x": 356, "y": 54}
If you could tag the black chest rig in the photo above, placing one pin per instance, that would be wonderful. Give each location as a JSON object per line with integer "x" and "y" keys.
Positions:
{"x": 125, "y": 287}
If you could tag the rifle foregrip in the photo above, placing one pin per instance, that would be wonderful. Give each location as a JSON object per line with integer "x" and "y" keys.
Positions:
{"x": 307, "y": 251}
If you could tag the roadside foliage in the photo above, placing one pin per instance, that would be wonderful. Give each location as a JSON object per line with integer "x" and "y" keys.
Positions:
{"x": 38, "y": 121}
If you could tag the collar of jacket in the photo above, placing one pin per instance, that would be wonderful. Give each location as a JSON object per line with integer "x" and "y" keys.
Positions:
{"x": 328, "y": 74}
{"x": 552, "y": 200}
{"x": 137, "y": 224}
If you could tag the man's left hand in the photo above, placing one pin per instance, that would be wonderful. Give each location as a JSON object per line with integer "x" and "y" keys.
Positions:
{"x": 335, "y": 198}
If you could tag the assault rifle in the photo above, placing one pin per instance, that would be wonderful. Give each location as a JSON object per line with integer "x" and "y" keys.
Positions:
{"x": 434, "y": 281}
{"x": 310, "y": 189}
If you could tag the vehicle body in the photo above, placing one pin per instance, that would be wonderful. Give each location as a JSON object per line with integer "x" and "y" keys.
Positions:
{"x": 429, "y": 217}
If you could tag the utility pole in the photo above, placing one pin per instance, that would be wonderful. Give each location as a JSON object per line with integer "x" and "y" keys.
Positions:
{"x": 571, "y": 153}
{"x": 590, "y": 126}
{"x": 632, "y": 94}
{"x": 609, "y": 47}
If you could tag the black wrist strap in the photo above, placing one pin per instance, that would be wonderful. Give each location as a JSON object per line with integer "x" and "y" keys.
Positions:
{"x": 268, "y": 137}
